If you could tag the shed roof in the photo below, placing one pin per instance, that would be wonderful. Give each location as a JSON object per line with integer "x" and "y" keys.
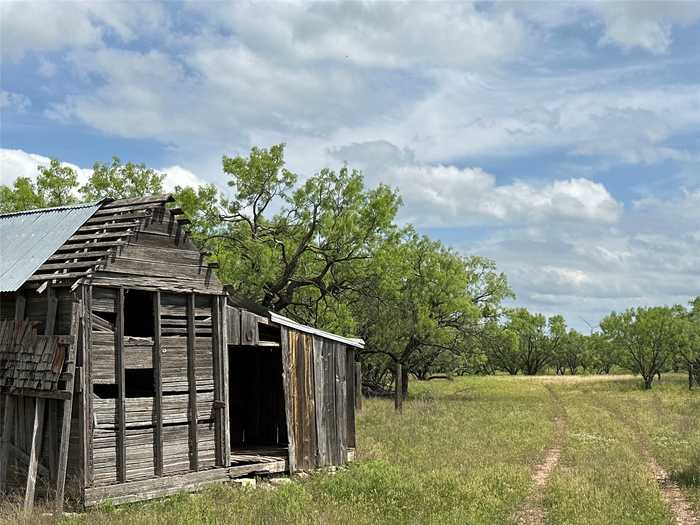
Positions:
{"x": 28, "y": 238}
{"x": 285, "y": 321}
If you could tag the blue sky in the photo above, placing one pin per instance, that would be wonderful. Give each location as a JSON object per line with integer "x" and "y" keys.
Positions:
{"x": 560, "y": 139}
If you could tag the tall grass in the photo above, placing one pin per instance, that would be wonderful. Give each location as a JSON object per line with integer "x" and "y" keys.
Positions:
{"x": 463, "y": 452}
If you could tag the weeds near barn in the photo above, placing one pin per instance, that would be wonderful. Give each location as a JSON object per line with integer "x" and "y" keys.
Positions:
{"x": 464, "y": 451}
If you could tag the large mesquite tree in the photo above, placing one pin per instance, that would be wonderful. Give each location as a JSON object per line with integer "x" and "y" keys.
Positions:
{"x": 302, "y": 248}
{"x": 423, "y": 301}
{"x": 648, "y": 338}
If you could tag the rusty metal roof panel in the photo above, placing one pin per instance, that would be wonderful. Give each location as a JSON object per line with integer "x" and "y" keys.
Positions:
{"x": 28, "y": 238}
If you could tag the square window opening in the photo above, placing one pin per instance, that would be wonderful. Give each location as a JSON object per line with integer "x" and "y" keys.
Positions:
{"x": 139, "y": 382}
{"x": 138, "y": 313}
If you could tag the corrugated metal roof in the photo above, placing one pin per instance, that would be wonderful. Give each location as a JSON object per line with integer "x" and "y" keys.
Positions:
{"x": 28, "y": 238}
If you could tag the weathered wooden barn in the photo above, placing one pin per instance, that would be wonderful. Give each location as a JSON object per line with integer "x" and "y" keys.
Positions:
{"x": 128, "y": 372}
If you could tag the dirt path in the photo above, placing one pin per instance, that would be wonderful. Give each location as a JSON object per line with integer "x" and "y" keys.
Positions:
{"x": 531, "y": 512}
{"x": 671, "y": 493}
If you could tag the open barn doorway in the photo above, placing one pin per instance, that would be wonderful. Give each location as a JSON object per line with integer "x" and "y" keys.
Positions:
{"x": 256, "y": 405}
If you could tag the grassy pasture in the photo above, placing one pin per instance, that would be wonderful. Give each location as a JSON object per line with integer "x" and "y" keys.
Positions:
{"x": 463, "y": 451}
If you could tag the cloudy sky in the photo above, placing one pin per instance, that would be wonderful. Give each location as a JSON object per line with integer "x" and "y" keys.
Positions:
{"x": 560, "y": 139}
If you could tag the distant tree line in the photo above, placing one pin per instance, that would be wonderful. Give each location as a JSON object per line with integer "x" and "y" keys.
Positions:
{"x": 328, "y": 251}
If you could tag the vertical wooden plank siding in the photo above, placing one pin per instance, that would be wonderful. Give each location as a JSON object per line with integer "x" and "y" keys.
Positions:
{"x": 218, "y": 380}
{"x": 121, "y": 387}
{"x": 289, "y": 393}
{"x": 319, "y": 394}
{"x": 192, "y": 382}
{"x": 225, "y": 379}
{"x": 329, "y": 387}
{"x": 296, "y": 345}
{"x": 310, "y": 401}
{"x": 350, "y": 399}
{"x": 158, "y": 390}
{"x": 341, "y": 397}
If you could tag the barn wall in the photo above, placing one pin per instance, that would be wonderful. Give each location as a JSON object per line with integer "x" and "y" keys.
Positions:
{"x": 319, "y": 393}
{"x": 188, "y": 434}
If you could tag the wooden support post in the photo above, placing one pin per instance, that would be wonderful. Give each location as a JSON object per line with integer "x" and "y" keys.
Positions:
{"x": 121, "y": 388}
{"x": 224, "y": 371}
{"x": 39, "y": 412}
{"x": 37, "y": 438}
{"x": 358, "y": 386}
{"x": 52, "y": 404}
{"x": 158, "y": 386}
{"x": 85, "y": 420}
{"x": 398, "y": 396}
{"x": 216, "y": 369}
{"x": 192, "y": 382}
{"x": 288, "y": 371}
{"x": 76, "y": 311}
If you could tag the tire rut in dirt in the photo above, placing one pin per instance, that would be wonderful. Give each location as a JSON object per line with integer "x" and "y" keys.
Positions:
{"x": 531, "y": 512}
{"x": 670, "y": 491}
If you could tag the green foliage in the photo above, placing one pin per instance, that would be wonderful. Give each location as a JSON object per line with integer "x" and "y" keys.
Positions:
{"x": 648, "y": 338}
{"x": 54, "y": 186}
{"x": 300, "y": 248}
{"x": 121, "y": 181}
{"x": 600, "y": 354}
{"x": 538, "y": 338}
{"x": 424, "y": 302}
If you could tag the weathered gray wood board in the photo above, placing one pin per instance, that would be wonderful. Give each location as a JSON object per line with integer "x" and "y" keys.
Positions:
{"x": 320, "y": 404}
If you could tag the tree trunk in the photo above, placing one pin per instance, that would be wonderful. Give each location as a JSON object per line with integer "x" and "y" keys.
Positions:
{"x": 690, "y": 376}
{"x": 404, "y": 382}
{"x": 648, "y": 381}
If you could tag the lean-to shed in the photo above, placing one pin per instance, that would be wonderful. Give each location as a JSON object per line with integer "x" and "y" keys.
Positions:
{"x": 128, "y": 372}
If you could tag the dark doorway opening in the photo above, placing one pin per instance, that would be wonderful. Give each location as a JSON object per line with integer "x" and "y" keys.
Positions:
{"x": 256, "y": 400}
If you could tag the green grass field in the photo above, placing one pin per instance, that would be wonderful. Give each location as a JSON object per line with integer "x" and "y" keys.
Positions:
{"x": 464, "y": 451}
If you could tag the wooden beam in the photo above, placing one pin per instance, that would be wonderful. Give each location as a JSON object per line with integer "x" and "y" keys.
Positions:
{"x": 85, "y": 415}
{"x": 121, "y": 387}
{"x": 226, "y": 377}
{"x": 288, "y": 382}
{"x": 219, "y": 381}
{"x": 76, "y": 310}
{"x": 35, "y": 452}
{"x": 166, "y": 486}
{"x": 158, "y": 387}
{"x": 20, "y": 306}
{"x": 192, "y": 382}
